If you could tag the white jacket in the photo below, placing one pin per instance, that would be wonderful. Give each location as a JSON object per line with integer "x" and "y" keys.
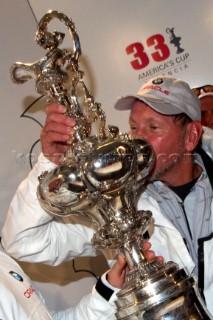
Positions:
{"x": 20, "y": 299}
{"x": 27, "y": 220}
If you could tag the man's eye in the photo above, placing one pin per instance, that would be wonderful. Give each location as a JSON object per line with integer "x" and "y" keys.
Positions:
{"x": 133, "y": 128}
{"x": 152, "y": 127}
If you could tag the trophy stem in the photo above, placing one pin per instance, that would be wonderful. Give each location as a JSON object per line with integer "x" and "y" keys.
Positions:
{"x": 133, "y": 254}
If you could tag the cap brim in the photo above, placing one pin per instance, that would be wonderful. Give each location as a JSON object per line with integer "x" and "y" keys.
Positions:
{"x": 207, "y": 94}
{"x": 126, "y": 102}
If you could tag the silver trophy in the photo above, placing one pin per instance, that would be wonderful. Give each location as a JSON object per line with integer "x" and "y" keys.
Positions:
{"x": 100, "y": 177}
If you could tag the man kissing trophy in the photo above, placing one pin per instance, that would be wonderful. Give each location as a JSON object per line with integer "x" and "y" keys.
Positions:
{"x": 100, "y": 177}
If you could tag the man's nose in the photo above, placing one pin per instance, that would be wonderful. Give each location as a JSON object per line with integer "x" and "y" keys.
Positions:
{"x": 140, "y": 133}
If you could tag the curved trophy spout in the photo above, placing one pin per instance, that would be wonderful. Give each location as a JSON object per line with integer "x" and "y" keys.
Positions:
{"x": 48, "y": 71}
{"x": 100, "y": 177}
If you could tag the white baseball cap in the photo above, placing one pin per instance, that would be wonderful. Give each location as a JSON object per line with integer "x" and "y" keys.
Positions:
{"x": 166, "y": 95}
{"x": 205, "y": 94}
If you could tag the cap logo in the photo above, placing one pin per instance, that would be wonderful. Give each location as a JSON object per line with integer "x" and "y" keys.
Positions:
{"x": 152, "y": 87}
{"x": 16, "y": 276}
{"x": 157, "y": 81}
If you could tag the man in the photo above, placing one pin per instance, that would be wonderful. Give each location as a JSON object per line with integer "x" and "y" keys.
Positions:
{"x": 206, "y": 104}
{"x": 205, "y": 94}
{"x": 167, "y": 114}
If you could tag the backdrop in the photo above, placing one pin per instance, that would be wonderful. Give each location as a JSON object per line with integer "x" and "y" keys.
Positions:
{"x": 124, "y": 43}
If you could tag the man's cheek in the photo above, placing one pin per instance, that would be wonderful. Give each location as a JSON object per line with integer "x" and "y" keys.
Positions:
{"x": 162, "y": 157}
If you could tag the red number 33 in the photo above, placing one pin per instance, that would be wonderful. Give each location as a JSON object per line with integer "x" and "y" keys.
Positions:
{"x": 141, "y": 58}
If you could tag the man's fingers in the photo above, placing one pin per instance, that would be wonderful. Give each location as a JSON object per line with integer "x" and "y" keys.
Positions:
{"x": 60, "y": 118}
{"x": 159, "y": 259}
{"x": 146, "y": 246}
{"x": 54, "y": 108}
{"x": 53, "y": 137}
{"x": 56, "y": 113}
{"x": 116, "y": 275}
{"x": 149, "y": 254}
{"x": 121, "y": 263}
{"x": 57, "y": 128}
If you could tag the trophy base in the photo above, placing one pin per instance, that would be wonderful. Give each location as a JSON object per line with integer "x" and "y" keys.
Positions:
{"x": 166, "y": 293}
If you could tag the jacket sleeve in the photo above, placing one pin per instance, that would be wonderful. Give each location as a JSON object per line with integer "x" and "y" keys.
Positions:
{"x": 30, "y": 234}
{"x": 91, "y": 307}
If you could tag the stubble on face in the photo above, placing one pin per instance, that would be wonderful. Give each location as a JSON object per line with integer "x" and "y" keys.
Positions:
{"x": 168, "y": 164}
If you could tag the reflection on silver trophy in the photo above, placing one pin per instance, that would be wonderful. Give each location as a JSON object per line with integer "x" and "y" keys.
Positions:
{"x": 100, "y": 177}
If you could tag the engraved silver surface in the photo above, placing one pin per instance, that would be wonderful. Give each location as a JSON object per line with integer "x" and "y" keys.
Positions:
{"x": 100, "y": 178}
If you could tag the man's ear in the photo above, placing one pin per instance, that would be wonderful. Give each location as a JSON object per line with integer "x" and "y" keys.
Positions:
{"x": 193, "y": 134}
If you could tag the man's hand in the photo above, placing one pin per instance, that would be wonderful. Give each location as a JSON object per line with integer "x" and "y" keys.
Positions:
{"x": 56, "y": 133}
{"x": 116, "y": 276}
{"x": 149, "y": 254}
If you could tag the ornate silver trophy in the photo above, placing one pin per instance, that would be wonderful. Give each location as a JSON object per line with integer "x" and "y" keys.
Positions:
{"x": 100, "y": 177}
